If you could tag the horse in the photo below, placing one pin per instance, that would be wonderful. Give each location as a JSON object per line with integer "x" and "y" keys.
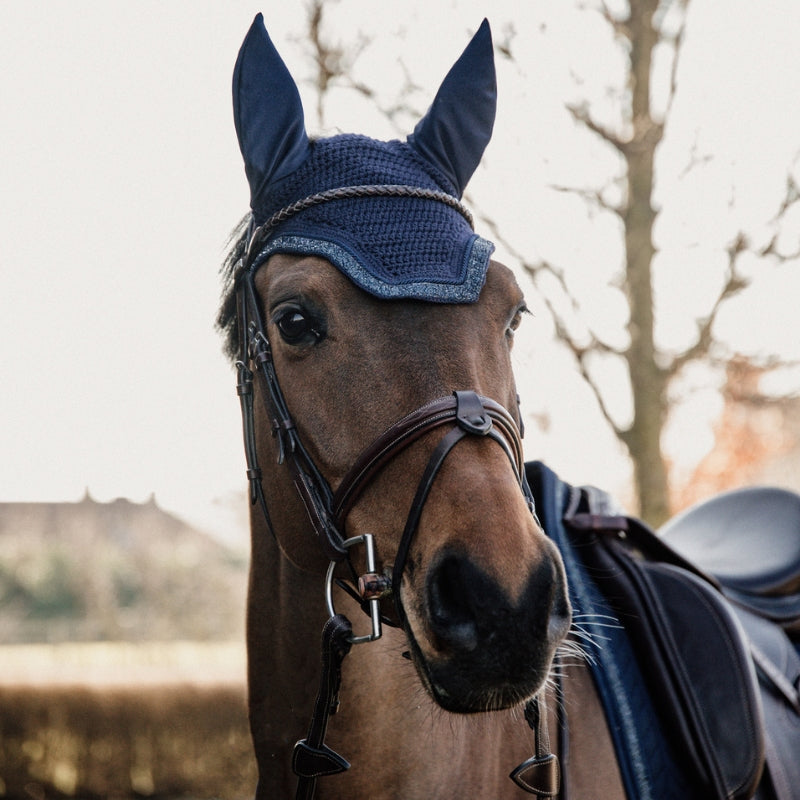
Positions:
{"x": 391, "y": 508}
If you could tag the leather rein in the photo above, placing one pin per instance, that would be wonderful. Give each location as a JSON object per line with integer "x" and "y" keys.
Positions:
{"x": 466, "y": 414}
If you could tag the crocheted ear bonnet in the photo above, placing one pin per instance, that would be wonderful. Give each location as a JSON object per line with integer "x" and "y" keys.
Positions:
{"x": 387, "y": 214}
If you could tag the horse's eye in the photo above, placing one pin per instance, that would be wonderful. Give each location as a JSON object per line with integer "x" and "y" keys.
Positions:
{"x": 516, "y": 320}
{"x": 297, "y": 327}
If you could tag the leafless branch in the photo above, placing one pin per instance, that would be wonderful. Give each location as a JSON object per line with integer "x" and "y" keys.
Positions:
{"x": 791, "y": 196}
{"x": 396, "y": 112}
{"x": 677, "y": 46}
{"x": 503, "y": 45}
{"x": 772, "y": 249}
{"x": 592, "y": 197}
{"x": 694, "y": 160}
{"x": 582, "y": 353}
{"x": 735, "y": 282}
{"x": 619, "y": 26}
{"x": 543, "y": 267}
{"x": 333, "y": 62}
{"x": 534, "y": 269}
{"x": 580, "y": 113}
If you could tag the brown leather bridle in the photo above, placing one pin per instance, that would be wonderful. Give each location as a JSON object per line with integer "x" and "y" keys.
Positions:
{"x": 465, "y": 413}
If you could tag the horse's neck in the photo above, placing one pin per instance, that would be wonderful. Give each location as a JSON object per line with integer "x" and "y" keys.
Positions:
{"x": 285, "y": 614}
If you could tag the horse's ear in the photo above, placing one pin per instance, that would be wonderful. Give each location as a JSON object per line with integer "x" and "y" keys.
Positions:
{"x": 267, "y": 112}
{"x": 455, "y": 131}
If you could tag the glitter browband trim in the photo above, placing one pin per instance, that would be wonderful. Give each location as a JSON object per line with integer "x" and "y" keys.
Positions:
{"x": 465, "y": 290}
{"x": 261, "y": 233}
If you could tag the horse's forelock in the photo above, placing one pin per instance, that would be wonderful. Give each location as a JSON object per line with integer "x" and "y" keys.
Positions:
{"x": 226, "y": 317}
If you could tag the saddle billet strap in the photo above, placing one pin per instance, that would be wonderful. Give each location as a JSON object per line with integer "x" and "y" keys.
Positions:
{"x": 411, "y": 427}
{"x": 778, "y": 665}
{"x": 636, "y": 531}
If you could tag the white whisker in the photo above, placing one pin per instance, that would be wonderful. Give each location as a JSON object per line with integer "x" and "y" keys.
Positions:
{"x": 575, "y": 652}
{"x": 594, "y": 616}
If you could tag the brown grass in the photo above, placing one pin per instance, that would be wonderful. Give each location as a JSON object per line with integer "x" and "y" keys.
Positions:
{"x": 183, "y": 737}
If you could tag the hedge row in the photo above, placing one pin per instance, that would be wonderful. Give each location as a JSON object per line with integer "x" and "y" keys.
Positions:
{"x": 163, "y": 741}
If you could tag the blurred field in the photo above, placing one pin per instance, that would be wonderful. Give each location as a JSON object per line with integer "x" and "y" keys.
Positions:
{"x": 124, "y": 721}
{"x": 115, "y": 663}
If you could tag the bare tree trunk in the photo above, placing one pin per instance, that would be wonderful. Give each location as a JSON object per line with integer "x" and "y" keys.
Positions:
{"x": 648, "y": 380}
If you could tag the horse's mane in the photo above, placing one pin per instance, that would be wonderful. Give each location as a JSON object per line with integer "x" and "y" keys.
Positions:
{"x": 226, "y": 317}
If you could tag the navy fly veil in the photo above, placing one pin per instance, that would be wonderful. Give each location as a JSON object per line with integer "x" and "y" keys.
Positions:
{"x": 386, "y": 214}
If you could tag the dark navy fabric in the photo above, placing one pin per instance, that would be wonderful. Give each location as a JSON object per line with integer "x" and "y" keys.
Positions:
{"x": 647, "y": 764}
{"x": 455, "y": 131}
{"x": 390, "y": 246}
{"x": 393, "y": 247}
{"x": 265, "y": 98}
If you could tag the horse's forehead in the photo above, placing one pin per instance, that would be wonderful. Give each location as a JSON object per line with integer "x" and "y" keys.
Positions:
{"x": 287, "y": 275}
{"x": 502, "y": 281}
{"x": 315, "y": 277}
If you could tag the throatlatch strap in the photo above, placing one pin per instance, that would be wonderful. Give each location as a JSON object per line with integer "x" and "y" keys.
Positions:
{"x": 312, "y": 758}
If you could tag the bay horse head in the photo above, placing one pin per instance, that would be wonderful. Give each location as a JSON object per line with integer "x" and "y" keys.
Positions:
{"x": 373, "y": 338}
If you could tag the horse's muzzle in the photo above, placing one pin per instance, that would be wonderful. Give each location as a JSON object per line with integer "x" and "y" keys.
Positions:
{"x": 492, "y": 651}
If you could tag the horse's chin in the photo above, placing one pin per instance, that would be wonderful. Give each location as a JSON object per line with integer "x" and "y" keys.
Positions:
{"x": 464, "y": 688}
{"x": 499, "y": 699}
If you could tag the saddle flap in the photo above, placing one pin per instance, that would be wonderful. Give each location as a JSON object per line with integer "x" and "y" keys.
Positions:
{"x": 710, "y": 666}
{"x": 695, "y": 661}
{"x": 778, "y": 664}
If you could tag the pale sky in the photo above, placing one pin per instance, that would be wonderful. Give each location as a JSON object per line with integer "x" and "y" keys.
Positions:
{"x": 120, "y": 178}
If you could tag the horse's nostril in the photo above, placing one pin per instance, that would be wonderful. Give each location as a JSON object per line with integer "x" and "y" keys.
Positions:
{"x": 451, "y": 610}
